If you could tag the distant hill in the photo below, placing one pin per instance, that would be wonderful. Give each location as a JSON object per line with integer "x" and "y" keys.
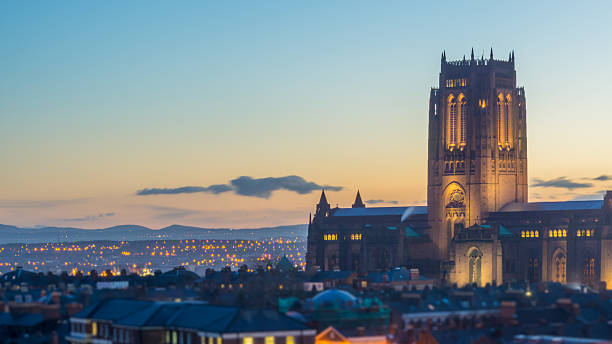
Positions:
{"x": 13, "y": 234}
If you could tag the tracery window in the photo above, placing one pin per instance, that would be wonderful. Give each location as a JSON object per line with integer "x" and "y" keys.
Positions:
{"x": 452, "y": 121}
{"x": 559, "y": 266}
{"x": 588, "y": 274}
{"x": 500, "y": 120}
{"x": 463, "y": 120}
{"x": 474, "y": 262}
{"x": 507, "y": 124}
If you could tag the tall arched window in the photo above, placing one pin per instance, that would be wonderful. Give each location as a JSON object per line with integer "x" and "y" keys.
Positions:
{"x": 588, "y": 273}
{"x": 559, "y": 267}
{"x": 500, "y": 120}
{"x": 475, "y": 258}
{"x": 508, "y": 121}
{"x": 463, "y": 120}
{"x": 452, "y": 121}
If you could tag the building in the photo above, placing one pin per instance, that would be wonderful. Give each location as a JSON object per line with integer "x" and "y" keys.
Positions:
{"x": 141, "y": 321}
{"x": 478, "y": 226}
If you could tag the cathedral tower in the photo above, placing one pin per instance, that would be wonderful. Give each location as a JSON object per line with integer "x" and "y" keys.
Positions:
{"x": 477, "y": 159}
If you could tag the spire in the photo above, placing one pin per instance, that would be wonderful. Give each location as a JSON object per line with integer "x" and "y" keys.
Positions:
{"x": 512, "y": 55}
{"x": 358, "y": 202}
{"x": 323, "y": 207}
{"x": 323, "y": 199}
{"x": 472, "y": 58}
{"x": 443, "y": 55}
{"x": 491, "y": 53}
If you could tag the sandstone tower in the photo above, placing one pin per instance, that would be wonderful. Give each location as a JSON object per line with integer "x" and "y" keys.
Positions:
{"x": 477, "y": 159}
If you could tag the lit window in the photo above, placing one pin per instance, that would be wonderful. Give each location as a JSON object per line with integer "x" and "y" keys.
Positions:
{"x": 219, "y": 340}
{"x": 247, "y": 340}
{"x": 522, "y": 234}
{"x": 537, "y": 234}
{"x": 564, "y": 233}
{"x": 211, "y": 340}
{"x": 289, "y": 340}
{"x": 578, "y": 233}
{"x": 174, "y": 337}
{"x": 269, "y": 340}
{"x": 452, "y": 121}
{"x": 94, "y": 328}
{"x": 462, "y": 120}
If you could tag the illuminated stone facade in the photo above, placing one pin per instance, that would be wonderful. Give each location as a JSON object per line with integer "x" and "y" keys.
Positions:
{"x": 478, "y": 226}
{"x": 477, "y": 158}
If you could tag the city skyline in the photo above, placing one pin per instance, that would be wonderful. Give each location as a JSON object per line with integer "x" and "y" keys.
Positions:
{"x": 112, "y": 115}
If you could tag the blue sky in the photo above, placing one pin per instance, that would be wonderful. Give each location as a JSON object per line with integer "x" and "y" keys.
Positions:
{"x": 101, "y": 99}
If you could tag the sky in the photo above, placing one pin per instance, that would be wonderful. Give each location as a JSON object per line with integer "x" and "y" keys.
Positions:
{"x": 107, "y": 107}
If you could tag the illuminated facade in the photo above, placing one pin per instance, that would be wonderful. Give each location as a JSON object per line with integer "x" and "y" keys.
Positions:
{"x": 478, "y": 226}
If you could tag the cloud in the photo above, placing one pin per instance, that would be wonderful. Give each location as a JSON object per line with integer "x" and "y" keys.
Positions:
{"x": 603, "y": 178}
{"x": 377, "y": 201}
{"x": 214, "y": 189}
{"x": 37, "y": 203}
{"x": 263, "y": 187}
{"x": 247, "y": 186}
{"x": 561, "y": 182}
{"x": 89, "y": 218}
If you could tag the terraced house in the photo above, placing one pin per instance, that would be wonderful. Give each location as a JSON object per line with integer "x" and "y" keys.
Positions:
{"x": 139, "y": 321}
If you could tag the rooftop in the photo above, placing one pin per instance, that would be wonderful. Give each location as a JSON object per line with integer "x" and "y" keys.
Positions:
{"x": 380, "y": 211}
{"x": 552, "y": 206}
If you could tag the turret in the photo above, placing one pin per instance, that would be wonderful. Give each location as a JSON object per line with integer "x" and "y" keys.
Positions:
{"x": 323, "y": 207}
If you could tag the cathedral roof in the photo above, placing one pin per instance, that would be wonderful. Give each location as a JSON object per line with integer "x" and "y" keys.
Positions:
{"x": 552, "y": 206}
{"x": 379, "y": 211}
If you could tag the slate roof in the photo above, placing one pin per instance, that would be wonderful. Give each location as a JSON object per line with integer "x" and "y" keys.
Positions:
{"x": 379, "y": 211}
{"x": 24, "y": 320}
{"x": 552, "y": 206}
{"x": 113, "y": 309}
{"x": 190, "y": 315}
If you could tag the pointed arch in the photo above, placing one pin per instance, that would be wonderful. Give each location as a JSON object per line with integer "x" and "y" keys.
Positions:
{"x": 508, "y": 120}
{"x": 474, "y": 265}
{"x": 452, "y": 121}
{"x": 559, "y": 266}
{"x": 588, "y": 267}
{"x": 462, "y": 137}
{"x": 500, "y": 120}
{"x": 453, "y": 198}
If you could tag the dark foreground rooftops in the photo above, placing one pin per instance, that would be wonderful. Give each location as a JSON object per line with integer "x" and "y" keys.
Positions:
{"x": 196, "y": 316}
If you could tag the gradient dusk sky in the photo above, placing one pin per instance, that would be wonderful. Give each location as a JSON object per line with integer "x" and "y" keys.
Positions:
{"x": 102, "y": 99}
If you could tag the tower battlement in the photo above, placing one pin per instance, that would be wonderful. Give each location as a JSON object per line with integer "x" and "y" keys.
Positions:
{"x": 472, "y": 64}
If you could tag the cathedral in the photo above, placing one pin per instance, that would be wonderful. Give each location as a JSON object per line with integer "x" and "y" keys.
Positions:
{"x": 478, "y": 226}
